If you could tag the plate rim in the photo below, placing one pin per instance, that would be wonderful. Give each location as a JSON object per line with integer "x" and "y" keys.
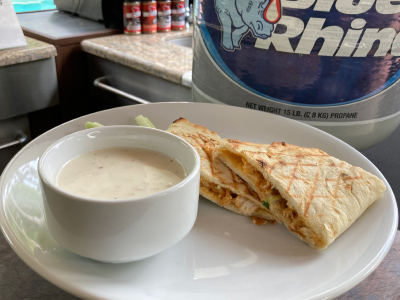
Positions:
{"x": 35, "y": 265}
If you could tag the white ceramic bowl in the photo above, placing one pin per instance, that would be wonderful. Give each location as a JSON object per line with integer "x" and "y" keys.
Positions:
{"x": 119, "y": 230}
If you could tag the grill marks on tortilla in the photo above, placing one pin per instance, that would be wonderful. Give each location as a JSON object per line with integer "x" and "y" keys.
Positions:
{"x": 297, "y": 158}
{"x": 319, "y": 196}
{"x": 281, "y": 209}
{"x": 303, "y": 175}
{"x": 218, "y": 183}
{"x": 296, "y": 164}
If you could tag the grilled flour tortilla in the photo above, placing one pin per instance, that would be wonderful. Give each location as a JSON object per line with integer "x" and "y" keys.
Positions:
{"x": 315, "y": 195}
{"x": 217, "y": 182}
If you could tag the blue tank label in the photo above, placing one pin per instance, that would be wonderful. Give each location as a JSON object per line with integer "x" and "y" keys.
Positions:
{"x": 305, "y": 52}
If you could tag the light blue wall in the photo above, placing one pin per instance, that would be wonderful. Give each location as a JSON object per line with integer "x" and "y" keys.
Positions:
{"x": 32, "y": 5}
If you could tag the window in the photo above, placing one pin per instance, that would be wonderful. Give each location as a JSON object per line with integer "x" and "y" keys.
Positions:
{"x": 32, "y": 5}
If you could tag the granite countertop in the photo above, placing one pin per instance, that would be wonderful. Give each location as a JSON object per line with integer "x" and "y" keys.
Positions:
{"x": 149, "y": 53}
{"x": 35, "y": 50}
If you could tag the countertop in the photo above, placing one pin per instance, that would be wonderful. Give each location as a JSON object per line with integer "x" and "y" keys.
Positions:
{"x": 149, "y": 53}
{"x": 35, "y": 50}
{"x": 60, "y": 28}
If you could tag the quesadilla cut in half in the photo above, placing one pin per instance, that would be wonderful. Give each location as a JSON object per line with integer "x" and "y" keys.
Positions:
{"x": 217, "y": 182}
{"x": 314, "y": 194}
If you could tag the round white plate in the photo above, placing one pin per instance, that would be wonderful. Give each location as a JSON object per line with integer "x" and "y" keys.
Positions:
{"x": 225, "y": 256}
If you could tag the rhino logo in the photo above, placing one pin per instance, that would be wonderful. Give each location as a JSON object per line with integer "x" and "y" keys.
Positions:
{"x": 237, "y": 17}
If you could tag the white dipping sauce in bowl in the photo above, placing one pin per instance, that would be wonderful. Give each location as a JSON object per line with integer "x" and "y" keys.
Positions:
{"x": 130, "y": 228}
{"x": 120, "y": 173}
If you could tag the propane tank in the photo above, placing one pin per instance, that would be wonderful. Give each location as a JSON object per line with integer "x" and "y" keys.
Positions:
{"x": 333, "y": 64}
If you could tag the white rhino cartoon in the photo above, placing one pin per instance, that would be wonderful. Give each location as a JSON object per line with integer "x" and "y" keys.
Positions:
{"x": 237, "y": 17}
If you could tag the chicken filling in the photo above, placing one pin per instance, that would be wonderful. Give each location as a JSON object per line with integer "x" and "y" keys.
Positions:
{"x": 225, "y": 197}
{"x": 262, "y": 187}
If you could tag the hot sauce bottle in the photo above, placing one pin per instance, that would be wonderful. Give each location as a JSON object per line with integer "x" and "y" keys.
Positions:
{"x": 164, "y": 15}
{"x": 132, "y": 16}
{"x": 178, "y": 14}
{"x": 149, "y": 16}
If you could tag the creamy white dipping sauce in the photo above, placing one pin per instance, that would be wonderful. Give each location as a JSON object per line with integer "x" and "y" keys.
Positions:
{"x": 120, "y": 173}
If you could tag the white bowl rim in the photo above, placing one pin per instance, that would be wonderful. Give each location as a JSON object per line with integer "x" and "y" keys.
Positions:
{"x": 154, "y": 196}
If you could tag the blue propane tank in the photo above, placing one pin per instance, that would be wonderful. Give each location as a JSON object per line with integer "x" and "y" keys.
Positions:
{"x": 333, "y": 64}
